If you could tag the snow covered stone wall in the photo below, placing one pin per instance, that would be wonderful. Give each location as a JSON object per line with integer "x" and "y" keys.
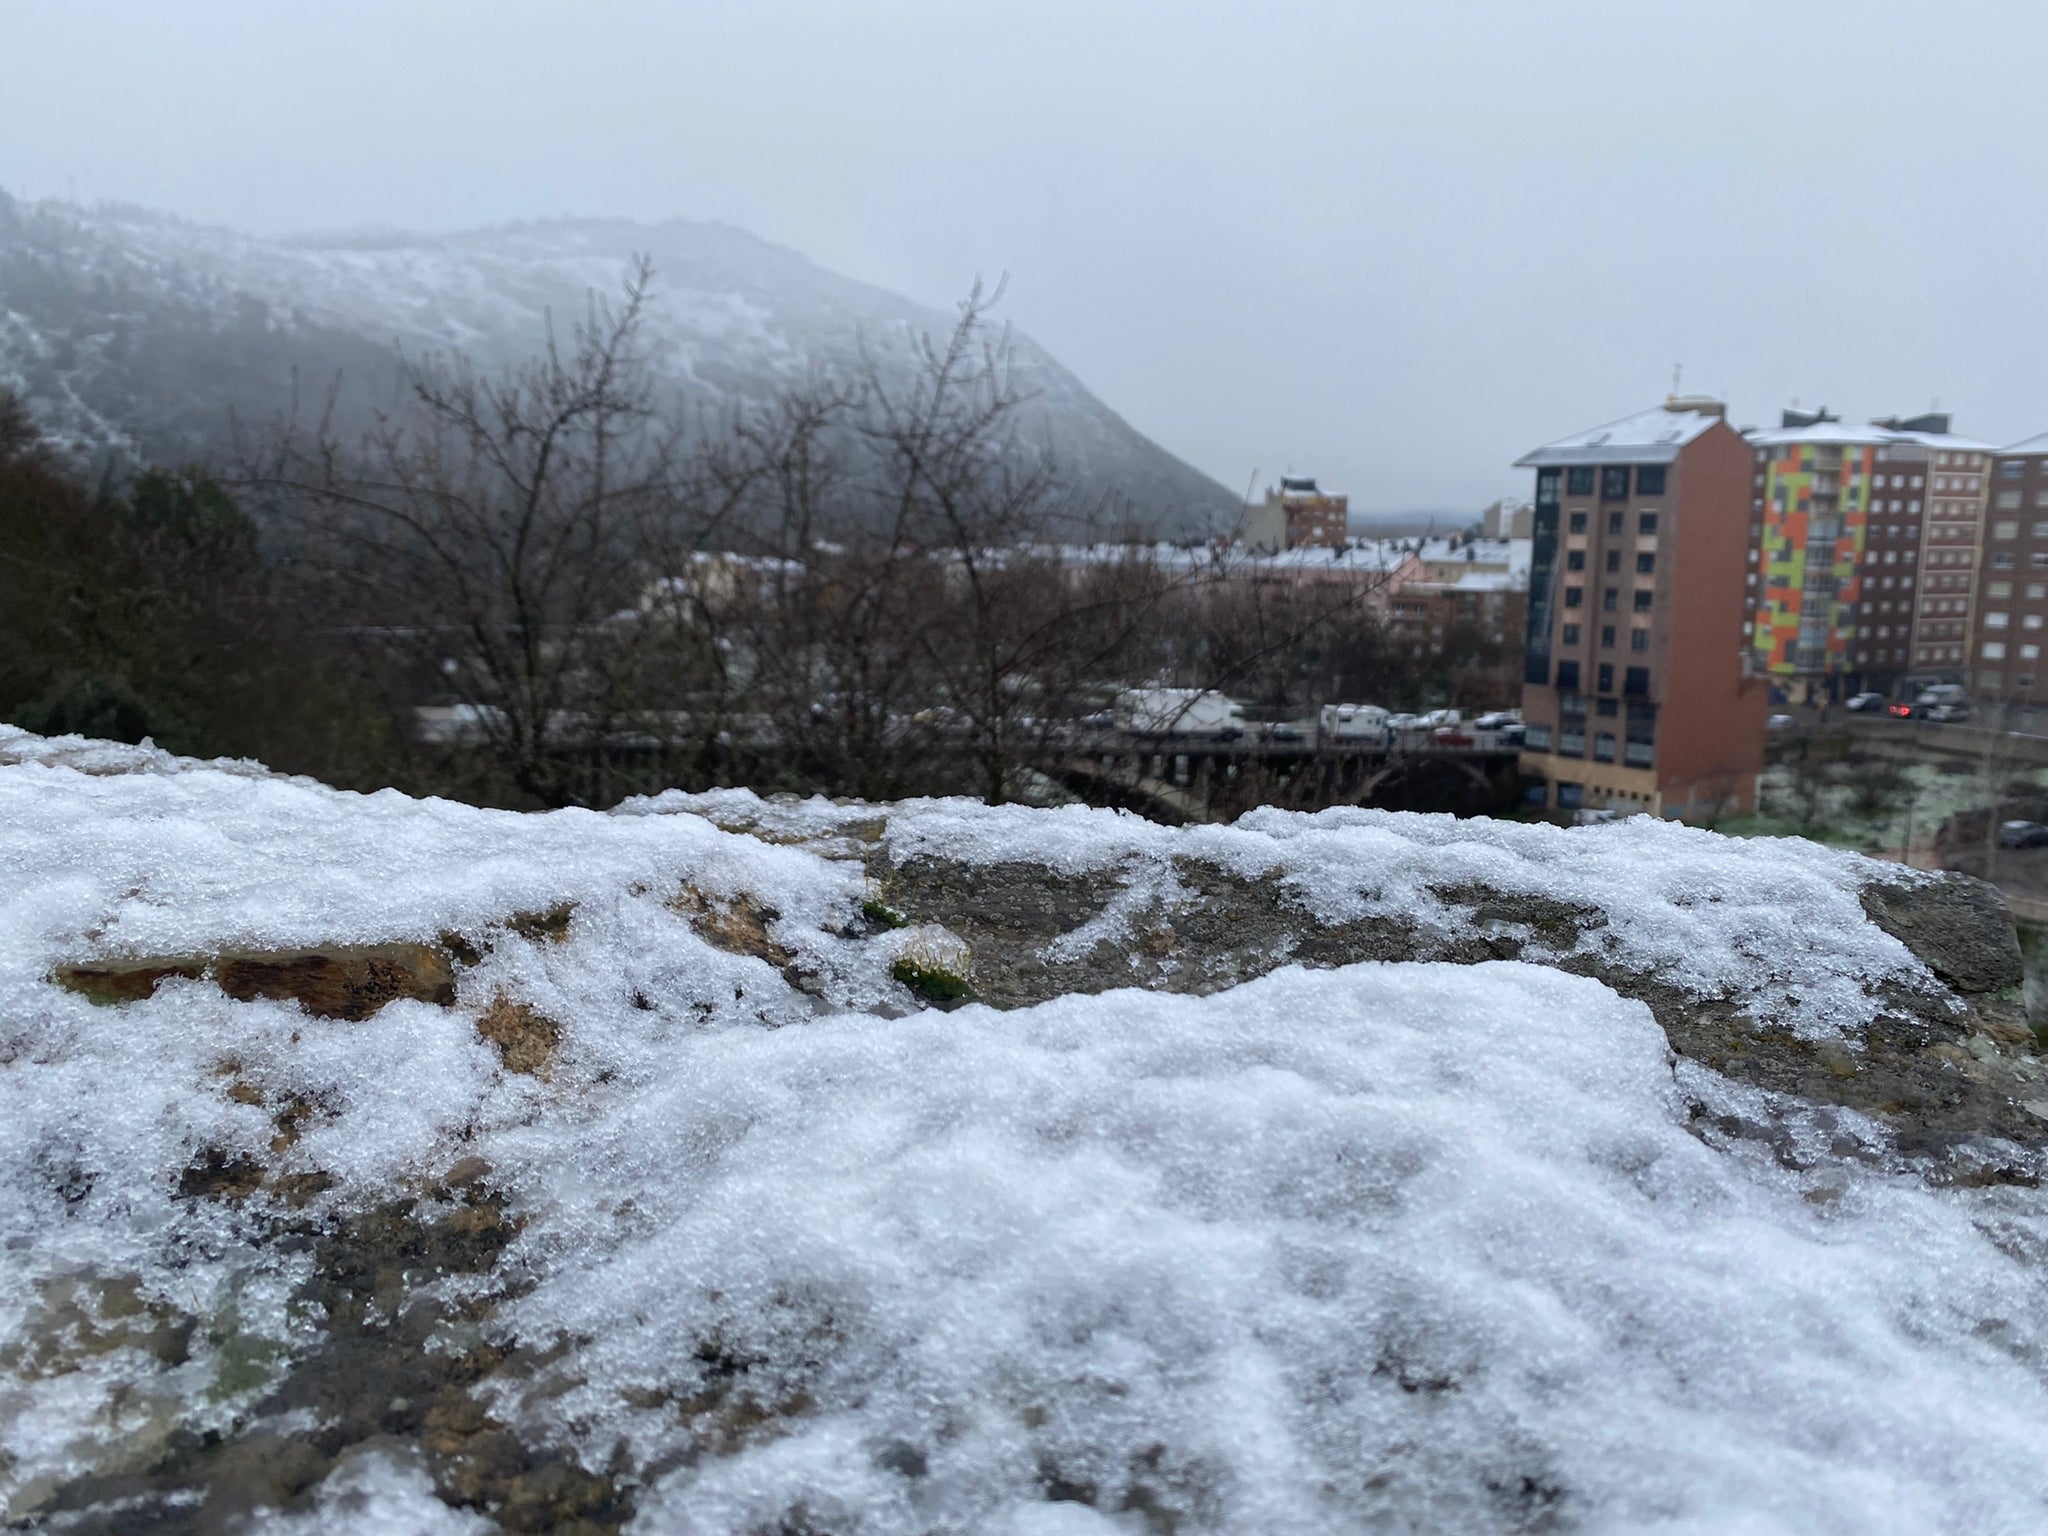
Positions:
{"x": 721, "y": 1165}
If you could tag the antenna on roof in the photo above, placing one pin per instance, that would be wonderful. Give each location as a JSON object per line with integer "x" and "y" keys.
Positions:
{"x": 1677, "y": 380}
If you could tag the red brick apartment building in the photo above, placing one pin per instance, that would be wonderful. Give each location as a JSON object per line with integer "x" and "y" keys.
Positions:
{"x": 1298, "y": 515}
{"x": 2011, "y": 621}
{"x": 1634, "y": 695}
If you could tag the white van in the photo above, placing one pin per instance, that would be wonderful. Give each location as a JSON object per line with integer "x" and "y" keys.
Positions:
{"x": 1353, "y": 722}
{"x": 1201, "y": 712}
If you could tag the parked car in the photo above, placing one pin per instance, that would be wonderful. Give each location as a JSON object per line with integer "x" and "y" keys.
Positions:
{"x": 1279, "y": 730}
{"x": 1865, "y": 703}
{"x": 1497, "y": 720}
{"x": 2022, "y": 834}
{"x": 1946, "y": 714}
{"x": 1780, "y": 723}
{"x": 1943, "y": 693}
{"x": 1442, "y": 717}
{"x": 1404, "y": 722}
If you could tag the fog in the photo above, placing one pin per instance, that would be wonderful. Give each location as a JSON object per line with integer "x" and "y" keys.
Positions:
{"x": 1393, "y": 246}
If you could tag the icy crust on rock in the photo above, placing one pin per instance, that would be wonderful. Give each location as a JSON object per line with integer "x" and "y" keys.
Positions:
{"x": 1773, "y": 924}
{"x": 201, "y": 859}
{"x": 1389, "y": 1247}
{"x": 88, "y": 755}
{"x": 103, "y": 1110}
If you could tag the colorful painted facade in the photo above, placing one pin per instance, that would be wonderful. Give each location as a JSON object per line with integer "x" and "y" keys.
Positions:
{"x": 1816, "y": 512}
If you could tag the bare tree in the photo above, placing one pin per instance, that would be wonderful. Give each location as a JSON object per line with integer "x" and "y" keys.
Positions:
{"x": 495, "y": 536}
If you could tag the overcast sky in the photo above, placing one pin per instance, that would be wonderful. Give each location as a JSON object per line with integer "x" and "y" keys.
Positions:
{"x": 1394, "y": 245}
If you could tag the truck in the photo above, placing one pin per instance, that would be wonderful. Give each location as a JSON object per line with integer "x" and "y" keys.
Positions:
{"x": 1193, "y": 712}
{"x": 1352, "y": 722}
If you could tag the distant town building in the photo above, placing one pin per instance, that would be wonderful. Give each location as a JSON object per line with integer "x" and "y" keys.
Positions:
{"x": 2012, "y": 607}
{"x": 1507, "y": 519}
{"x": 1633, "y": 693}
{"x": 1863, "y": 549}
{"x": 1297, "y": 516}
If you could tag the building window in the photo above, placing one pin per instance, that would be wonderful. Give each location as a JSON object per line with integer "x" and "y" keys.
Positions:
{"x": 1603, "y": 747}
{"x": 2012, "y": 469}
{"x": 1650, "y": 480}
{"x": 1575, "y": 559}
{"x": 1570, "y": 796}
{"x": 1568, "y": 677}
{"x": 1614, "y": 560}
{"x": 1999, "y": 589}
{"x": 2008, "y": 500}
{"x": 1637, "y": 683}
{"x": 1994, "y": 650}
{"x": 2002, "y": 561}
{"x": 1578, "y": 523}
{"x": 1639, "y": 640}
{"x": 2008, "y": 529}
{"x": 1579, "y": 480}
{"x": 1571, "y": 634}
{"x": 1614, "y": 522}
{"x": 1644, "y": 599}
{"x": 1537, "y": 738}
{"x": 1606, "y": 677}
{"x": 1614, "y": 483}
{"x": 1610, "y": 600}
{"x": 1607, "y": 637}
{"x": 1645, "y": 563}
{"x": 2030, "y": 621}
{"x": 1647, "y": 523}
{"x": 1574, "y": 596}
{"x": 1990, "y": 681}
{"x": 1997, "y": 620}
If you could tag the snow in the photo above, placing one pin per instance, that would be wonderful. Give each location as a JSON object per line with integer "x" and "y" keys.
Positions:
{"x": 1390, "y": 1247}
{"x": 1648, "y": 437}
{"x": 1849, "y": 433}
{"x": 2032, "y": 447}
{"x": 1775, "y": 923}
{"x": 375, "y": 1492}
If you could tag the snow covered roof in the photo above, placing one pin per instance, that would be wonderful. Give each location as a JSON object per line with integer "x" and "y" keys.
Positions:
{"x": 2030, "y": 448}
{"x": 1648, "y": 437}
{"x": 1868, "y": 433}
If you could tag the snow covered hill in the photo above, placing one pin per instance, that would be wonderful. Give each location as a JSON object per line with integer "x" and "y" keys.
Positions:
{"x": 379, "y": 1164}
{"x": 127, "y": 327}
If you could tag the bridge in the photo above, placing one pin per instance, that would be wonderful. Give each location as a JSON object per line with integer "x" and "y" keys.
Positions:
{"x": 1182, "y": 780}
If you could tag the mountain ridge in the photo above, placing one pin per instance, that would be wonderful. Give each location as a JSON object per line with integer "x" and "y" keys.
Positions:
{"x": 139, "y": 332}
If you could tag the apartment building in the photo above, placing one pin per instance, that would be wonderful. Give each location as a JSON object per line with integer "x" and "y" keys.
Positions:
{"x": 1951, "y": 548}
{"x": 1634, "y": 694}
{"x": 1861, "y": 552}
{"x": 2010, "y": 624}
{"x": 1296, "y": 516}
